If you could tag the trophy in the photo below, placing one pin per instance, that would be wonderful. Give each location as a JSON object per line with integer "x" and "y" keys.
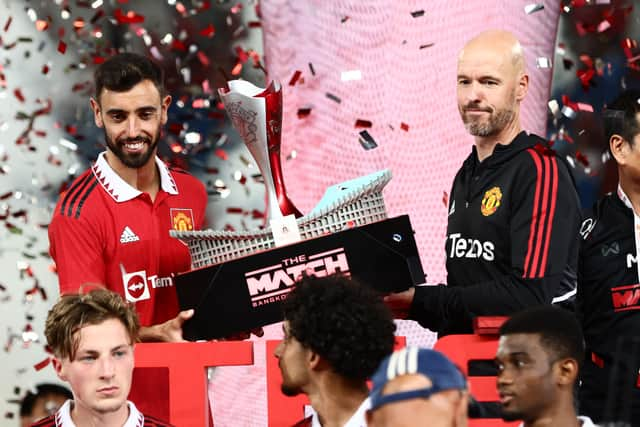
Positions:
{"x": 256, "y": 114}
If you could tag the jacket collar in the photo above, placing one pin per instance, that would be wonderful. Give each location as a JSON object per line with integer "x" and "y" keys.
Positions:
{"x": 502, "y": 153}
{"x": 120, "y": 190}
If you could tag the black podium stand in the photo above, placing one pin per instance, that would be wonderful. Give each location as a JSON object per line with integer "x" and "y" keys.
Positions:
{"x": 247, "y": 293}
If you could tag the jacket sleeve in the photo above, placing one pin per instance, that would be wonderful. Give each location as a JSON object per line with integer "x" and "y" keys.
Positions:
{"x": 543, "y": 230}
{"x": 77, "y": 249}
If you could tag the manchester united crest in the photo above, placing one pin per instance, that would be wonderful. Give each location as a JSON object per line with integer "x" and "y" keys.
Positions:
{"x": 491, "y": 201}
{"x": 182, "y": 219}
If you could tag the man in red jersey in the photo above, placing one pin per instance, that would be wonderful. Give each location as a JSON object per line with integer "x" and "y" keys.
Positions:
{"x": 112, "y": 225}
{"x": 92, "y": 337}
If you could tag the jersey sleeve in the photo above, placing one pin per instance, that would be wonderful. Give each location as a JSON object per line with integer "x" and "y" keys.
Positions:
{"x": 543, "y": 230}
{"x": 76, "y": 248}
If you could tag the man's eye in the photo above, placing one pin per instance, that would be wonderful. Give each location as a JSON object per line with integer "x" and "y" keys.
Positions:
{"x": 119, "y": 353}
{"x": 146, "y": 115}
{"x": 88, "y": 358}
{"x": 117, "y": 117}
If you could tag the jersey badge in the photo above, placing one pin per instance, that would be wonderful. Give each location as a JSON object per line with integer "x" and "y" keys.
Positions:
{"x": 182, "y": 219}
{"x": 491, "y": 201}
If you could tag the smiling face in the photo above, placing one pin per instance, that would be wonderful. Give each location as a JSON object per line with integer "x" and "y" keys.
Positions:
{"x": 526, "y": 377}
{"x": 132, "y": 122}
{"x": 100, "y": 372}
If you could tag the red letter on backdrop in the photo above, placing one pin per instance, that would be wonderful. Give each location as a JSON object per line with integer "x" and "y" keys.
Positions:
{"x": 171, "y": 378}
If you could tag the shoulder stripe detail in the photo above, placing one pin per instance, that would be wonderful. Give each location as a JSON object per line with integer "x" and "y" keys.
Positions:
{"x": 543, "y": 212}
{"x": 50, "y": 421}
{"x": 552, "y": 211}
{"x": 76, "y": 195}
{"x": 84, "y": 197}
{"x": 534, "y": 214}
{"x": 80, "y": 183}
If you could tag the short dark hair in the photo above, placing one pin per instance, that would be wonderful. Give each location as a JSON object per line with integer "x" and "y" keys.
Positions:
{"x": 343, "y": 321}
{"x": 620, "y": 117}
{"x": 75, "y": 311}
{"x": 559, "y": 330}
{"x": 42, "y": 390}
{"x": 125, "y": 70}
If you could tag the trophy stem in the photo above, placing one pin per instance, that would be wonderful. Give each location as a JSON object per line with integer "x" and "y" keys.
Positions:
{"x": 286, "y": 206}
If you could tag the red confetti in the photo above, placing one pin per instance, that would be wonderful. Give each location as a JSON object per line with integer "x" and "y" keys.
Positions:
{"x": 236, "y": 69}
{"x": 18, "y": 94}
{"x": 233, "y": 210}
{"x": 295, "y": 77}
{"x": 78, "y": 24}
{"x": 582, "y": 158}
{"x": 445, "y": 199}
{"x": 62, "y": 47}
{"x": 254, "y": 24}
{"x": 42, "y": 25}
{"x": 41, "y": 365}
{"x": 178, "y": 45}
{"x": 98, "y": 59}
{"x": 8, "y": 24}
{"x": 209, "y": 31}
{"x": 404, "y": 126}
{"x": 130, "y": 18}
{"x": 256, "y": 214}
{"x": 363, "y": 123}
{"x": 5, "y": 196}
{"x": 221, "y": 154}
{"x": 304, "y": 112}
{"x": 202, "y": 57}
{"x": 45, "y": 69}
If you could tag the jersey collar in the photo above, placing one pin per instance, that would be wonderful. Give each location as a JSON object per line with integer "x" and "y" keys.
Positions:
{"x": 624, "y": 199}
{"x": 63, "y": 416}
{"x": 118, "y": 189}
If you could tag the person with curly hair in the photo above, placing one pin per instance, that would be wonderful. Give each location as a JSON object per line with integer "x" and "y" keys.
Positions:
{"x": 336, "y": 333}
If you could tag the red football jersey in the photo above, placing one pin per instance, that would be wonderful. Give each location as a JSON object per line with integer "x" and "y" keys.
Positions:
{"x": 104, "y": 231}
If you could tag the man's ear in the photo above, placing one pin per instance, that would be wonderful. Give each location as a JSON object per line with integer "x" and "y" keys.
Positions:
{"x": 523, "y": 87}
{"x": 60, "y": 371}
{"x": 166, "y": 102}
{"x": 97, "y": 116}
{"x": 619, "y": 147}
{"x": 567, "y": 371}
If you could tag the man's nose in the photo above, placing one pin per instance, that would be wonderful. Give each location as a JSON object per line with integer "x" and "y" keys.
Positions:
{"x": 133, "y": 127}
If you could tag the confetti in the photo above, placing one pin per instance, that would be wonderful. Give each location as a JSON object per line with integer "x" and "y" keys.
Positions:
{"x": 62, "y": 47}
{"x": 333, "y": 97}
{"x": 424, "y": 46}
{"x": 533, "y": 8}
{"x": 209, "y": 31}
{"x": 313, "y": 72}
{"x": 417, "y": 13}
{"x": 8, "y": 23}
{"x": 360, "y": 123}
{"x": 351, "y": 75}
{"x": 304, "y": 112}
{"x": 404, "y": 127}
{"x": 542, "y": 62}
{"x": 367, "y": 141}
{"x": 295, "y": 77}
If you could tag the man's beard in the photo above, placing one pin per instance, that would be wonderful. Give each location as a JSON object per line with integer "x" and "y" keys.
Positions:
{"x": 290, "y": 391}
{"x": 498, "y": 120}
{"x": 510, "y": 416}
{"x": 132, "y": 160}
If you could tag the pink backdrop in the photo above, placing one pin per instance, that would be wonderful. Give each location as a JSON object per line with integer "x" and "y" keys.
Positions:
{"x": 400, "y": 83}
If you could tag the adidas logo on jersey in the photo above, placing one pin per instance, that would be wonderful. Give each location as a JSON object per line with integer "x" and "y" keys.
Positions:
{"x": 128, "y": 236}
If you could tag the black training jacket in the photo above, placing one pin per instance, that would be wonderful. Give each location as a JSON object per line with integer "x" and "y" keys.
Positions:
{"x": 512, "y": 237}
{"x": 608, "y": 299}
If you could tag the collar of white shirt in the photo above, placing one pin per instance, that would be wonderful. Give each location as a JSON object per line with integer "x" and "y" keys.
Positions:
{"x": 358, "y": 419}
{"x": 63, "y": 416}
